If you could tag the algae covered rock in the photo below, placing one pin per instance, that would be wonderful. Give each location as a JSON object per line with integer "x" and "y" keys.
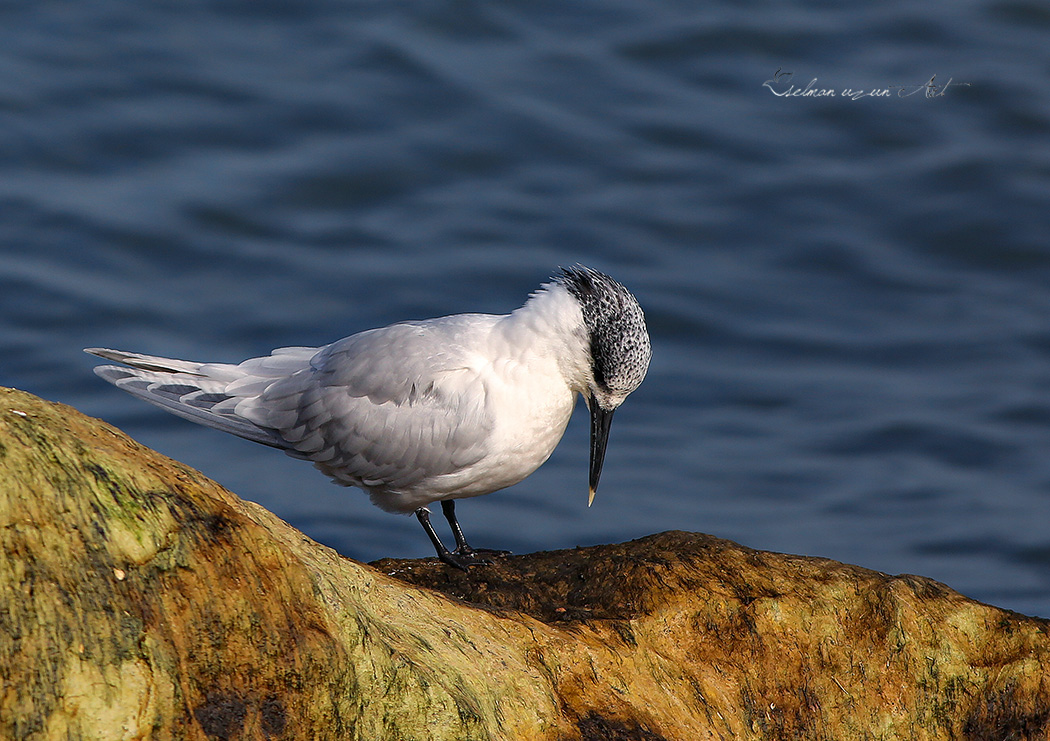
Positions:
{"x": 138, "y": 599}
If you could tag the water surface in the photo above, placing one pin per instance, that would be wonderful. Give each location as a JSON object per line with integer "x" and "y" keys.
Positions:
{"x": 848, "y": 298}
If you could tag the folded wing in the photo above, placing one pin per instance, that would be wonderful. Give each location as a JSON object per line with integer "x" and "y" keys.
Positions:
{"x": 384, "y": 409}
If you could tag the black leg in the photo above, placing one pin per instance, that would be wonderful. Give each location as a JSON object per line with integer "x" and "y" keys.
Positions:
{"x": 448, "y": 508}
{"x": 464, "y": 556}
{"x": 423, "y": 515}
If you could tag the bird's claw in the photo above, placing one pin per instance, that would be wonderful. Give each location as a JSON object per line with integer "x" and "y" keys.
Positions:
{"x": 463, "y": 561}
{"x": 470, "y": 552}
{"x": 464, "y": 557}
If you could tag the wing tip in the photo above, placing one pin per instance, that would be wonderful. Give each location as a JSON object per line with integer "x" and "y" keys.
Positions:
{"x": 107, "y": 354}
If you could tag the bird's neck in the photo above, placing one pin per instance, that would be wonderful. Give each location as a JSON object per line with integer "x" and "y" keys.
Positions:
{"x": 551, "y": 324}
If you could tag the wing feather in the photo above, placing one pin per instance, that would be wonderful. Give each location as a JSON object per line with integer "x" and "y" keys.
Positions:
{"x": 388, "y": 409}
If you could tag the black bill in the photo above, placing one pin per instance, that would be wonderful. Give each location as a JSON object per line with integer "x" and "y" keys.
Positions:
{"x": 600, "y": 421}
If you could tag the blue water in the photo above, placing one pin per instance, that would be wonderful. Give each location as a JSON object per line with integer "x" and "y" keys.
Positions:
{"x": 848, "y": 298}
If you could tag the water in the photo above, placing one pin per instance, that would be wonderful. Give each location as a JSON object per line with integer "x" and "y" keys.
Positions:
{"x": 848, "y": 298}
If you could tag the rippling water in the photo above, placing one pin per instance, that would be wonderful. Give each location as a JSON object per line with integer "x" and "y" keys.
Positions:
{"x": 848, "y": 298}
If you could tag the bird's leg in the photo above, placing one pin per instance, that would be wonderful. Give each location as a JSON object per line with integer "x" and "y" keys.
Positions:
{"x": 443, "y": 553}
{"x": 463, "y": 548}
{"x": 448, "y": 508}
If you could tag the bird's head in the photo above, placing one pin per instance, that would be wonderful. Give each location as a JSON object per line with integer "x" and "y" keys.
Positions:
{"x": 619, "y": 350}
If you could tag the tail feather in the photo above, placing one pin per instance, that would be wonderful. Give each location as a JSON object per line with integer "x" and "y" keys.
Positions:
{"x": 146, "y": 362}
{"x": 205, "y": 393}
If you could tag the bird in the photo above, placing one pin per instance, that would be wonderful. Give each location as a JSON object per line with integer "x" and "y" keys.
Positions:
{"x": 424, "y": 411}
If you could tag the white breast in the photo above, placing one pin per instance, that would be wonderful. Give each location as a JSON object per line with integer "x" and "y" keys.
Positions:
{"x": 524, "y": 368}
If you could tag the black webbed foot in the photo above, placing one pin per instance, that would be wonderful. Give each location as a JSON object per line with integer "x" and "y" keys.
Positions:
{"x": 464, "y": 561}
{"x": 463, "y": 548}
{"x": 464, "y": 556}
{"x": 471, "y": 552}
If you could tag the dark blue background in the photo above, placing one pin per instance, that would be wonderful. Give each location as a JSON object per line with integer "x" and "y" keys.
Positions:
{"x": 848, "y": 298}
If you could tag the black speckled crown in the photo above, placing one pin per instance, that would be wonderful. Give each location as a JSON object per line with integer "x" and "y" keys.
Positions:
{"x": 620, "y": 349}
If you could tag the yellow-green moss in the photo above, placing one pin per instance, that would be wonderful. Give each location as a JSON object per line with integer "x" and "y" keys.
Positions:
{"x": 140, "y": 600}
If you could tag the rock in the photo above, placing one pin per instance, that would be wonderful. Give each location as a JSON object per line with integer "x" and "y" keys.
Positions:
{"x": 138, "y": 599}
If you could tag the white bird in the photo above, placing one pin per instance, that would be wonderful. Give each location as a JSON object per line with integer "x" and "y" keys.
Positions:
{"x": 425, "y": 411}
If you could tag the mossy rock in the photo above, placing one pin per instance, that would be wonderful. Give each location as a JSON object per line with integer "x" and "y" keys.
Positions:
{"x": 140, "y": 600}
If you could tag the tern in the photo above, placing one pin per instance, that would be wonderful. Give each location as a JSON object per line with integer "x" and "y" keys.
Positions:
{"x": 425, "y": 411}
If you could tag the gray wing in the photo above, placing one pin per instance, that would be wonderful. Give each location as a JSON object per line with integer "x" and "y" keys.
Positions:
{"x": 205, "y": 393}
{"x": 386, "y": 408}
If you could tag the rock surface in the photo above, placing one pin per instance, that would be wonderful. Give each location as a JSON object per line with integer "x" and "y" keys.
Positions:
{"x": 138, "y": 599}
